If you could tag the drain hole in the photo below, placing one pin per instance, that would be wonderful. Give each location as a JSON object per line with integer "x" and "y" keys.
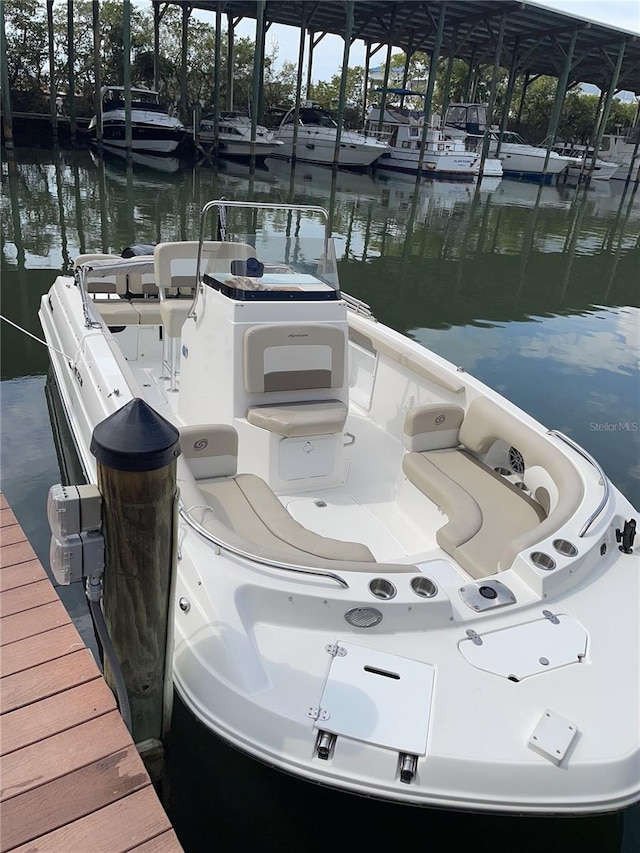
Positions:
{"x": 513, "y": 678}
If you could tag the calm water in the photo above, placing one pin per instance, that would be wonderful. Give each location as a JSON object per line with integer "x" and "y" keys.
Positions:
{"x": 533, "y": 289}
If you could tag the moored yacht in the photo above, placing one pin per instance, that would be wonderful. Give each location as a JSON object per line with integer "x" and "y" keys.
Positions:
{"x": 316, "y": 140}
{"x": 402, "y": 129}
{"x": 234, "y": 136}
{"x": 468, "y": 122}
{"x": 153, "y": 130}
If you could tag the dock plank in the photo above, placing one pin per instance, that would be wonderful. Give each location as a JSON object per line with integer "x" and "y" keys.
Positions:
{"x": 116, "y": 828}
{"x": 12, "y": 577}
{"x": 33, "y": 651}
{"x": 37, "y": 620}
{"x": 55, "y": 714}
{"x": 44, "y": 680}
{"x": 25, "y": 597}
{"x": 17, "y": 552}
{"x": 50, "y": 806}
{"x": 71, "y": 778}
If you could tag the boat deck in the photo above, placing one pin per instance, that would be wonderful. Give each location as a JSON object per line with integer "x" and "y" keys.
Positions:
{"x": 71, "y": 776}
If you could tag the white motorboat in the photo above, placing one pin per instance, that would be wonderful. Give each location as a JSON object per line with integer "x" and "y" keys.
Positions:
{"x": 390, "y": 579}
{"x": 402, "y": 129}
{"x": 519, "y": 159}
{"x": 153, "y": 130}
{"x": 622, "y": 148}
{"x": 234, "y": 136}
{"x": 316, "y": 140}
{"x": 600, "y": 170}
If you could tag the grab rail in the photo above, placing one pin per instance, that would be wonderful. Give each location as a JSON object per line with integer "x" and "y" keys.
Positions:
{"x": 605, "y": 481}
{"x": 289, "y": 567}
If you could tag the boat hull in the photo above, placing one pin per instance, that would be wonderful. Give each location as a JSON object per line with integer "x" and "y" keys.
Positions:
{"x": 151, "y": 133}
{"x": 426, "y": 674}
{"x": 314, "y": 145}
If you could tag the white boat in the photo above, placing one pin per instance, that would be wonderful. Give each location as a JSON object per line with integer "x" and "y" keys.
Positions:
{"x": 622, "y": 149}
{"x": 234, "y": 136}
{"x": 601, "y": 170}
{"x": 316, "y": 140}
{"x": 390, "y": 579}
{"x": 519, "y": 159}
{"x": 443, "y": 158}
{"x": 153, "y": 130}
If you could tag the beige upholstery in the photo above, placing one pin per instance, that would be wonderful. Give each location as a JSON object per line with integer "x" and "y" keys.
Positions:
{"x": 175, "y": 276}
{"x": 433, "y": 426}
{"x": 297, "y": 419}
{"x": 211, "y": 449}
{"x": 299, "y": 358}
{"x": 293, "y": 357}
{"x": 133, "y": 305}
{"x": 485, "y": 511}
{"x": 246, "y": 505}
{"x": 490, "y": 520}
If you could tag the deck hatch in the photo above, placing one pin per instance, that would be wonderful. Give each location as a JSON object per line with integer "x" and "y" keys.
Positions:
{"x": 378, "y": 698}
{"x": 529, "y": 649}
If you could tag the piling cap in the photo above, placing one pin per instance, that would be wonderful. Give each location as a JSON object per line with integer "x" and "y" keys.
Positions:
{"x": 135, "y": 438}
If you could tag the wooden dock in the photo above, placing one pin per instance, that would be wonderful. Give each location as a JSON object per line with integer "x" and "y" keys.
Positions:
{"x": 71, "y": 778}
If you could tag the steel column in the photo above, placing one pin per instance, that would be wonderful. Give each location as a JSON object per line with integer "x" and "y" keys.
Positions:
{"x": 97, "y": 77}
{"x": 296, "y": 115}
{"x": 183, "y": 61}
{"x": 72, "y": 74}
{"x": 509, "y": 93}
{"x": 126, "y": 50}
{"x": 607, "y": 106}
{"x": 257, "y": 77}
{"x": 53, "y": 83}
{"x": 348, "y": 29}
{"x": 561, "y": 90}
{"x": 433, "y": 64}
{"x": 492, "y": 96}
{"x": 4, "y": 81}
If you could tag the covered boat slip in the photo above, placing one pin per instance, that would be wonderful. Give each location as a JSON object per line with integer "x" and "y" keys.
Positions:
{"x": 368, "y": 536}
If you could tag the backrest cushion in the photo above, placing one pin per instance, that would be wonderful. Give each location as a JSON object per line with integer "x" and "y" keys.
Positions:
{"x": 211, "y": 450}
{"x": 433, "y": 426}
{"x": 294, "y": 358}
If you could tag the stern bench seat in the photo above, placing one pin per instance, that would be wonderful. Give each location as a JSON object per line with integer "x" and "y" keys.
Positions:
{"x": 489, "y": 519}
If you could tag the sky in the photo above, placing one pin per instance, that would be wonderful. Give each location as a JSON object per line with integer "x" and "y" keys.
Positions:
{"x": 327, "y": 55}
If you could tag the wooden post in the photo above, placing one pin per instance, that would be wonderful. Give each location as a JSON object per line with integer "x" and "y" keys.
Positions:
{"x": 136, "y": 450}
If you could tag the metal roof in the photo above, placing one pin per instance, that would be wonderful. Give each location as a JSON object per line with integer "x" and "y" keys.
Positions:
{"x": 542, "y": 35}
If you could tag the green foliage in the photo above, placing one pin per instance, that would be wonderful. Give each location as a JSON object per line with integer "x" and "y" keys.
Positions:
{"x": 29, "y": 73}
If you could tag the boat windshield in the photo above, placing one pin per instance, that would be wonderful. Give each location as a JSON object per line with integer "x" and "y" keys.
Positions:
{"x": 315, "y": 116}
{"x": 513, "y": 138}
{"x": 277, "y": 260}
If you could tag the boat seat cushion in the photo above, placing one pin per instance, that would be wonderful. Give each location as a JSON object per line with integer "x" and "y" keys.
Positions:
{"x": 485, "y": 536}
{"x": 485, "y": 511}
{"x": 433, "y": 426}
{"x": 290, "y": 420}
{"x": 210, "y": 449}
{"x": 246, "y": 504}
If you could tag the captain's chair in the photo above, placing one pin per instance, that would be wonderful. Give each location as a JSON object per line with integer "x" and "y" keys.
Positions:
{"x": 295, "y": 378}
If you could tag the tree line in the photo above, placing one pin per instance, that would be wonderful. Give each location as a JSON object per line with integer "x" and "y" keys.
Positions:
{"x": 28, "y": 68}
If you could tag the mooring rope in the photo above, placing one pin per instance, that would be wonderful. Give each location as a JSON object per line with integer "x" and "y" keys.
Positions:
{"x": 35, "y": 338}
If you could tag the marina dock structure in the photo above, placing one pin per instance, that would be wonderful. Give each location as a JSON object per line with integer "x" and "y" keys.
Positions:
{"x": 71, "y": 778}
{"x": 523, "y": 39}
